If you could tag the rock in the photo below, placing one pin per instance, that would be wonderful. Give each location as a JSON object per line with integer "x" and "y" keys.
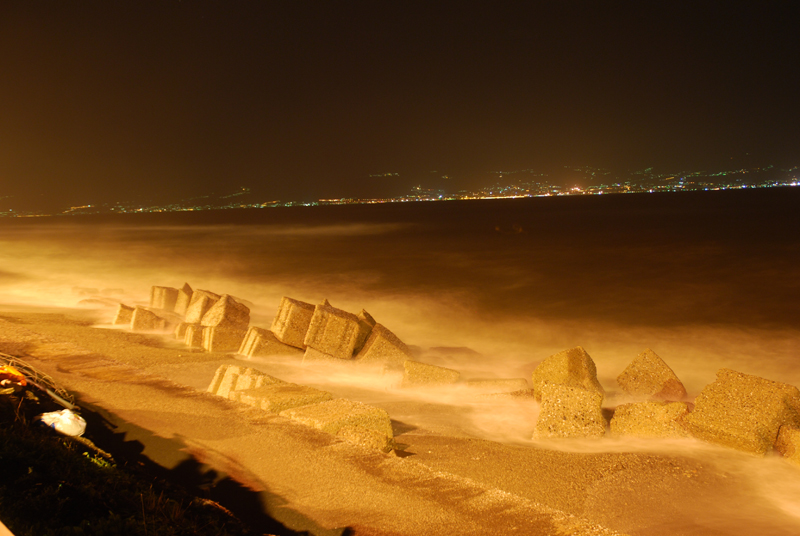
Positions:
{"x": 354, "y": 421}
{"x": 193, "y": 338}
{"x": 418, "y": 374}
{"x": 743, "y": 412}
{"x": 648, "y": 376}
{"x": 222, "y": 339}
{"x": 788, "y": 443}
{"x": 124, "y": 315}
{"x": 201, "y": 302}
{"x": 650, "y": 419}
{"x": 333, "y": 331}
{"x": 569, "y": 412}
{"x": 183, "y": 299}
{"x": 383, "y": 347}
{"x": 163, "y": 298}
{"x": 146, "y": 320}
{"x": 496, "y": 386}
{"x": 571, "y": 367}
{"x": 259, "y": 342}
{"x": 291, "y": 322}
{"x": 278, "y": 397}
{"x": 227, "y": 313}
{"x": 365, "y": 325}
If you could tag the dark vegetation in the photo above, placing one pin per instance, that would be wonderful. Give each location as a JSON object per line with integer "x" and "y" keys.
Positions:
{"x": 51, "y": 484}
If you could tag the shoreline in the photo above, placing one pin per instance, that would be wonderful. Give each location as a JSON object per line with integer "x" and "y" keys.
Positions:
{"x": 153, "y": 394}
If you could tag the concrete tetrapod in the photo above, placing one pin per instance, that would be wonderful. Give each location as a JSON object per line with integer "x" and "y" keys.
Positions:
{"x": 648, "y": 376}
{"x": 259, "y": 342}
{"x": 650, "y": 419}
{"x": 333, "y": 331}
{"x": 227, "y": 313}
{"x": 352, "y": 421}
{"x": 419, "y": 374}
{"x": 569, "y": 412}
{"x": 743, "y": 412}
{"x": 163, "y": 298}
{"x": 383, "y": 347}
{"x": 124, "y": 315}
{"x": 183, "y": 300}
{"x": 291, "y": 322}
{"x": 573, "y": 367}
{"x": 201, "y": 302}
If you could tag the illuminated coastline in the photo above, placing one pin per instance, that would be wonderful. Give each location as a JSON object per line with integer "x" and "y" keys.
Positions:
{"x": 507, "y": 185}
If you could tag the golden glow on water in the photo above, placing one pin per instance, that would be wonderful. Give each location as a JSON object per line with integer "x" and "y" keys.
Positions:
{"x": 615, "y": 284}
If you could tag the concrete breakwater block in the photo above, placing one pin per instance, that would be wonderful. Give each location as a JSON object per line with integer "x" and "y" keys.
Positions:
{"x": 222, "y": 339}
{"x": 788, "y": 443}
{"x": 291, "y": 322}
{"x": 193, "y": 336}
{"x": 312, "y": 355}
{"x": 365, "y": 325}
{"x": 419, "y": 374}
{"x": 650, "y": 419}
{"x": 333, "y": 331}
{"x": 743, "y": 412}
{"x": 201, "y": 302}
{"x": 227, "y": 313}
{"x": 277, "y": 397}
{"x": 230, "y": 378}
{"x": 143, "y": 319}
{"x": 180, "y": 330}
{"x": 573, "y": 367}
{"x": 259, "y": 342}
{"x": 569, "y": 412}
{"x": 383, "y": 347}
{"x": 124, "y": 315}
{"x": 163, "y": 298}
{"x": 352, "y": 421}
{"x": 497, "y": 386}
{"x": 183, "y": 299}
{"x": 648, "y": 376}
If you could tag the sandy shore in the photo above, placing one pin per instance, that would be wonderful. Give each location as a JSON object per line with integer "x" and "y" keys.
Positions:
{"x": 145, "y": 397}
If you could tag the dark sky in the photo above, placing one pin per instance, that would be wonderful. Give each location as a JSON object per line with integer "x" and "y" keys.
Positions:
{"x": 106, "y": 100}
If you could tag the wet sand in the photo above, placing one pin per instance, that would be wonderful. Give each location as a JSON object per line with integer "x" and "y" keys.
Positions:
{"x": 148, "y": 396}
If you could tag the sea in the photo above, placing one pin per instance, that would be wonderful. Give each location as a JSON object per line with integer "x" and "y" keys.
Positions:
{"x": 705, "y": 279}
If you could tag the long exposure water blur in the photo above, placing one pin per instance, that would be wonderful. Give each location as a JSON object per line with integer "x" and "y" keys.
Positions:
{"x": 705, "y": 279}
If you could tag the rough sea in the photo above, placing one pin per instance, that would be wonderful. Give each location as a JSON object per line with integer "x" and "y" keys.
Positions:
{"x": 705, "y": 279}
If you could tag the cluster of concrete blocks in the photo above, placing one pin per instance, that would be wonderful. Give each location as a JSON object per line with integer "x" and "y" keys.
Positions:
{"x": 737, "y": 410}
{"x": 348, "y": 420}
{"x": 200, "y": 318}
{"x": 326, "y": 333}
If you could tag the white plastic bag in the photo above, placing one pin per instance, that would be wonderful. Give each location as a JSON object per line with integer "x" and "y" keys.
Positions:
{"x": 64, "y": 421}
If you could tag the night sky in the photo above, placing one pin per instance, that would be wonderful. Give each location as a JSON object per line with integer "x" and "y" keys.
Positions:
{"x": 105, "y": 101}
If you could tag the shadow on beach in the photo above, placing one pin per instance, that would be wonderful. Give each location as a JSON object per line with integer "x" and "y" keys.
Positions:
{"x": 138, "y": 449}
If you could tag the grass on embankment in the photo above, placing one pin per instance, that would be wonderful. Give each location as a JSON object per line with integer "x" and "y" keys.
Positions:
{"x": 51, "y": 485}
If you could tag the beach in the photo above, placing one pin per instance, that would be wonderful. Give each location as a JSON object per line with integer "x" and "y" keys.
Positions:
{"x": 706, "y": 280}
{"x": 151, "y": 396}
